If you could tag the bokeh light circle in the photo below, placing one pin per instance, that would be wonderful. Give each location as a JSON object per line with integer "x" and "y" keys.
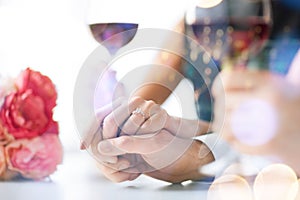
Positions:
{"x": 231, "y": 187}
{"x": 276, "y": 182}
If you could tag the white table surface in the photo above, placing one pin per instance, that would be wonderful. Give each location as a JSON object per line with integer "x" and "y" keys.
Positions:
{"x": 78, "y": 179}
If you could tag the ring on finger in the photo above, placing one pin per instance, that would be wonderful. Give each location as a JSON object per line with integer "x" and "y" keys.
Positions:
{"x": 138, "y": 110}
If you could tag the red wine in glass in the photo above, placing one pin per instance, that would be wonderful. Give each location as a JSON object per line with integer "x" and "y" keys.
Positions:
{"x": 113, "y": 35}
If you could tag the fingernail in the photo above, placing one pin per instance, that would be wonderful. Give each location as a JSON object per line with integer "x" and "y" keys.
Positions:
{"x": 123, "y": 166}
{"x": 82, "y": 146}
{"x": 105, "y": 147}
{"x": 112, "y": 160}
{"x": 133, "y": 177}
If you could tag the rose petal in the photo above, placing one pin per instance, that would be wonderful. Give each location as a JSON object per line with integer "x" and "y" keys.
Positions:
{"x": 41, "y": 85}
{"x": 36, "y": 158}
{"x": 2, "y": 160}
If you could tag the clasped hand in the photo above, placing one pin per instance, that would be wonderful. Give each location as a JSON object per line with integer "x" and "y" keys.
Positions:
{"x": 138, "y": 136}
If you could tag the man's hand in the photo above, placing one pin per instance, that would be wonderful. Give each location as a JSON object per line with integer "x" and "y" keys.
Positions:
{"x": 161, "y": 155}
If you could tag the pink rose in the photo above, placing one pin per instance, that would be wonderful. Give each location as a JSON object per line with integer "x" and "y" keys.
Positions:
{"x": 5, "y": 174}
{"x": 34, "y": 158}
{"x": 2, "y": 160}
{"x": 27, "y": 113}
{"x": 5, "y": 137}
{"x": 40, "y": 85}
{"x": 7, "y": 85}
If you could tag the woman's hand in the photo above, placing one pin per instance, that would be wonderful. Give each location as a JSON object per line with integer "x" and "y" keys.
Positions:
{"x": 137, "y": 116}
{"x": 111, "y": 166}
{"x": 145, "y": 139}
{"x": 123, "y": 118}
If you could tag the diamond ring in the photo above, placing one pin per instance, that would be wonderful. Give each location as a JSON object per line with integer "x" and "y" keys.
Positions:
{"x": 138, "y": 110}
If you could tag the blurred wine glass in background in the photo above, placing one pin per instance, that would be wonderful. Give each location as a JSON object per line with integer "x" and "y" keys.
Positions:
{"x": 231, "y": 31}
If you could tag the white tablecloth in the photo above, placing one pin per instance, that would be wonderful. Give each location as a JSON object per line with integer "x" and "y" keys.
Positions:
{"x": 79, "y": 179}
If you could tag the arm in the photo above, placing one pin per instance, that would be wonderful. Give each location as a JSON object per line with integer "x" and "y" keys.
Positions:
{"x": 161, "y": 80}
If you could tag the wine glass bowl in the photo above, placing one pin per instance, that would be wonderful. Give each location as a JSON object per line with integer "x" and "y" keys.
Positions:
{"x": 113, "y": 35}
{"x": 113, "y": 24}
{"x": 232, "y": 31}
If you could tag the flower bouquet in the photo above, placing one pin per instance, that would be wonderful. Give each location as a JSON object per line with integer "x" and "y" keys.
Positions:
{"x": 29, "y": 142}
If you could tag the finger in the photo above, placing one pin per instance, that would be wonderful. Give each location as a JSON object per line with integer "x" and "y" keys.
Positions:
{"x": 89, "y": 136}
{"x": 115, "y": 119}
{"x": 132, "y": 125}
{"x": 147, "y": 122}
{"x": 121, "y": 165}
{"x": 116, "y": 172}
{"x": 133, "y": 163}
{"x": 159, "y": 150}
{"x": 95, "y": 125}
{"x": 117, "y": 176}
{"x": 100, "y": 158}
{"x": 107, "y": 148}
{"x": 140, "y": 144}
{"x": 156, "y": 122}
{"x": 97, "y": 155}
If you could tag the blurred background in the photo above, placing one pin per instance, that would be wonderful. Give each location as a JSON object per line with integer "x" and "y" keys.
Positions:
{"x": 53, "y": 38}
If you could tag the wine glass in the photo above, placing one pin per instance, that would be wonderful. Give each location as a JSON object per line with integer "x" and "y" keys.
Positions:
{"x": 113, "y": 35}
{"x": 113, "y": 24}
{"x": 233, "y": 33}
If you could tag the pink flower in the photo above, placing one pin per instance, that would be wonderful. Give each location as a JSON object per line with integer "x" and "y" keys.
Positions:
{"x": 7, "y": 86}
{"x": 5, "y": 174}
{"x": 2, "y": 160}
{"x": 40, "y": 85}
{"x": 34, "y": 158}
{"x": 5, "y": 137}
{"x": 27, "y": 113}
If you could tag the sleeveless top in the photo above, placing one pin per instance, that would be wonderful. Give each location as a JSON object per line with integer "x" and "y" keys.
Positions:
{"x": 277, "y": 55}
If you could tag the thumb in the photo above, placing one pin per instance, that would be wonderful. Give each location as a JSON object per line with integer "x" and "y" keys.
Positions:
{"x": 140, "y": 144}
{"x": 106, "y": 147}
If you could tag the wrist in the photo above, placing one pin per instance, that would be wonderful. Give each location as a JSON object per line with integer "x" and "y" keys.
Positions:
{"x": 172, "y": 124}
{"x": 183, "y": 169}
